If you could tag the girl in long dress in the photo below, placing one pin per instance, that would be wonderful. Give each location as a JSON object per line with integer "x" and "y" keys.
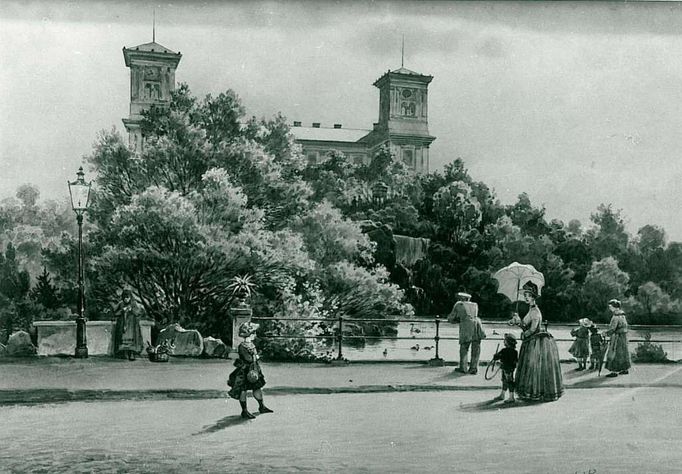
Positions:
{"x": 538, "y": 373}
{"x": 581, "y": 346}
{"x": 247, "y": 374}
{"x": 127, "y": 332}
{"x": 617, "y": 352}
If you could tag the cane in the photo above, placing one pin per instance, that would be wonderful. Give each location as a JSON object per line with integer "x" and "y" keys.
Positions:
{"x": 490, "y": 374}
{"x": 604, "y": 347}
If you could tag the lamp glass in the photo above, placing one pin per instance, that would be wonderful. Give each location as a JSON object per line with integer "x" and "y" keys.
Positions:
{"x": 80, "y": 193}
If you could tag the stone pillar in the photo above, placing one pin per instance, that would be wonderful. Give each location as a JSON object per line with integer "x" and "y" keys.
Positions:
{"x": 239, "y": 314}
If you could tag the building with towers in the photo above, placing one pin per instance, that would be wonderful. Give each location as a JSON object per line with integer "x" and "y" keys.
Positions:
{"x": 403, "y": 124}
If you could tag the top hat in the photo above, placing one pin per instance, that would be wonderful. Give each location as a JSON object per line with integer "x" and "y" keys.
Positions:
{"x": 461, "y": 294}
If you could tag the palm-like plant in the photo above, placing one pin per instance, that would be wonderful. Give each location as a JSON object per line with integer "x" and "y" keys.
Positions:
{"x": 241, "y": 287}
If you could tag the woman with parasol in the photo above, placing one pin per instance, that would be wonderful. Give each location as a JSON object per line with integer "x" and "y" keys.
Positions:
{"x": 538, "y": 373}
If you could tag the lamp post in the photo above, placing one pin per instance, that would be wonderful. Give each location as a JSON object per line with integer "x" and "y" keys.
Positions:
{"x": 79, "y": 191}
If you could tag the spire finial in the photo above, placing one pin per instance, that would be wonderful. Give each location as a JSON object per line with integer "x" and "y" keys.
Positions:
{"x": 402, "y": 56}
{"x": 154, "y": 27}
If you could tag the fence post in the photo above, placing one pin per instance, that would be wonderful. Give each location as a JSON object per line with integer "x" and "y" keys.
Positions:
{"x": 339, "y": 359}
{"x": 437, "y": 361}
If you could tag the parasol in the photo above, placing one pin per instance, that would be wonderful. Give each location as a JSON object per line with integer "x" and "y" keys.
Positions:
{"x": 511, "y": 279}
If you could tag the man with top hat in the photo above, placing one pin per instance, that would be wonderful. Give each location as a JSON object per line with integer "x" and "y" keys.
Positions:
{"x": 471, "y": 332}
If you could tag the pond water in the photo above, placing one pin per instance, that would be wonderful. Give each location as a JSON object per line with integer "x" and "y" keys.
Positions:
{"x": 423, "y": 331}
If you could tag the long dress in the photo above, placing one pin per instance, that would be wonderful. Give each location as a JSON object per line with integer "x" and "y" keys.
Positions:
{"x": 127, "y": 333}
{"x": 538, "y": 373}
{"x": 248, "y": 359}
{"x": 581, "y": 346}
{"x": 618, "y": 354}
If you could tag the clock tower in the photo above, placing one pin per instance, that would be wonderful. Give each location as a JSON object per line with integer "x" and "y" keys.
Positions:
{"x": 152, "y": 78}
{"x": 403, "y": 117}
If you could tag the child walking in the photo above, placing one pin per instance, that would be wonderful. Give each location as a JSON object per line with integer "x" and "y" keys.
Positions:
{"x": 247, "y": 374}
{"x": 581, "y": 346}
{"x": 508, "y": 357}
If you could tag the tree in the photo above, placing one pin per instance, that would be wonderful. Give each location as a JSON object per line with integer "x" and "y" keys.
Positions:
{"x": 45, "y": 292}
{"x": 457, "y": 210}
{"x": 608, "y": 238}
{"x": 604, "y": 281}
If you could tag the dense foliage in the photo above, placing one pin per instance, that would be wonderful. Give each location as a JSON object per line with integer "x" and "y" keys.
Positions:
{"x": 214, "y": 196}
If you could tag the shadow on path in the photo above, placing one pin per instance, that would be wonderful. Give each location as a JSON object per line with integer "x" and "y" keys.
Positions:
{"x": 494, "y": 404}
{"x": 224, "y": 423}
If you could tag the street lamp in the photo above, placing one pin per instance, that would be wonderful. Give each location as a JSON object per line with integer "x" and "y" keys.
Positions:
{"x": 80, "y": 194}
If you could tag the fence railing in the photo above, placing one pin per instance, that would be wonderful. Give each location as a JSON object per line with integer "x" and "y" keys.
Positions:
{"x": 338, "y": 335}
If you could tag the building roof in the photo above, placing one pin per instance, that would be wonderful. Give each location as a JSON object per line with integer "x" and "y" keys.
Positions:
{"x": 404, "y": 70}
{"x": 348, "y": 135}
{"x": 152, "y": 47}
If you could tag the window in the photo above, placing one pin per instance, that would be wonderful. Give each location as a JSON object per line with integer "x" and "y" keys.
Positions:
{"x": 408, "y": 103}
{"x": 408, "y": 157}
{"x": 152, "y": 91}
{"x": 312, "y": 157}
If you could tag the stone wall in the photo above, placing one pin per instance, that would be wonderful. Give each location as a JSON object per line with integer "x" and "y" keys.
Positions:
{"x": 59, "y": 337}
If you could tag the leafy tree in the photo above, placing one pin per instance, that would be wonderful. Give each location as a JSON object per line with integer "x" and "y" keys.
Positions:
{"x": 604, "y": 281}
{"x": 457, "y": 210}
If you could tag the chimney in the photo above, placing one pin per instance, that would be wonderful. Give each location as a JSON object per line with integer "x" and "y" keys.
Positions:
{"x": 316, "y": 124}
{"x": 297, "y": 124}
{"x": 337, "y": 125}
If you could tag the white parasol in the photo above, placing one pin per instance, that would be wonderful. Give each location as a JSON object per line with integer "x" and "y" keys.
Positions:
{"x": 511, "y": 279}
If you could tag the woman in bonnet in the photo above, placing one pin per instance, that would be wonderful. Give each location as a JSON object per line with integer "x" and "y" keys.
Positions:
{"x": 247, "y": 374}
{"x": 617, "y": 355}
{"x": 538, "y": 373}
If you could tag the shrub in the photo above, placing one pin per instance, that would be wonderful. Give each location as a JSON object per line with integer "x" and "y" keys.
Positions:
{"x": 647, "y": 351}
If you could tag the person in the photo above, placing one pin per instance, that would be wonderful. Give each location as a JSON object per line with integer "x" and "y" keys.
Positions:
{"x": 247, "y": 374}
{"x": 470, "y": 332}
{"x": 617, "y": 353}
{"x": 508, "y": 357}
{"x": 597, "y": 343}
{"x": 538, "y": 373}
{"x": 580, "y": 349}
{"x": 127, "y": 331}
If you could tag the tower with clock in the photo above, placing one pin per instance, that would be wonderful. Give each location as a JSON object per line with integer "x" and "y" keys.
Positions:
{"x": 403, "y": 117}
{"x": 152, "y": 78}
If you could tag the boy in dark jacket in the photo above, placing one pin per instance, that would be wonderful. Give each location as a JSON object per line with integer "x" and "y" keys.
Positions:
{"x": 508, "y": 358}
{"x": 597, "y": 343}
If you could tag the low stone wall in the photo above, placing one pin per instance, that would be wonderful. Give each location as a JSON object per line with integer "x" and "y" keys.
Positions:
{"x": 59, "y": 337}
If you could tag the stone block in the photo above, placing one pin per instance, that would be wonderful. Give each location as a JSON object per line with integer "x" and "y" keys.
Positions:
{"x": 19, "y": 345}
{"x": 214, "y": 347}
{"x": 188, "y": 342}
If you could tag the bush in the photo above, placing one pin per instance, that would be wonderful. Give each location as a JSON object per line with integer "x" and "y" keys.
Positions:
{"x": 289, "y": 342}
{"x": 647, "y": 351}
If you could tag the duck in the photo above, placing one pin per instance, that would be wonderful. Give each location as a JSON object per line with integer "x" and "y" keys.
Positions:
{"x": 415, "y": 347}
{"x": 385, "y": 352}
{"x": 428, "y": 348}
{"x": 496, "y": 333}
{"x": 414, "y": 329}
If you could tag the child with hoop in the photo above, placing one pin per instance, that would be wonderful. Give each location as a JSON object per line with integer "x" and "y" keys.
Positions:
{"x": 508, "y": 357}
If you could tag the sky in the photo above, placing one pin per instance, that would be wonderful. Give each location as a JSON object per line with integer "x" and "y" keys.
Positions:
{"x": 576, "y": 104}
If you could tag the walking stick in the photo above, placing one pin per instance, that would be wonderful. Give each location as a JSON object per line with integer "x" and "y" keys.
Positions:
{"x": 490, "y": 374}
{"x": 604, "y": 347}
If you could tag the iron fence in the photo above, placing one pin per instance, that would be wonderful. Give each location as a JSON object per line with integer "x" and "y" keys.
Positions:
{"x": 339, "y": 337}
